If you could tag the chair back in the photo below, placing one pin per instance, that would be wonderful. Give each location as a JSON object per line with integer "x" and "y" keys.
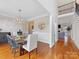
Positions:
{"x": 9, "y": 40}
{"x": 12, "y": 43}
{"x": 32, "y": 42}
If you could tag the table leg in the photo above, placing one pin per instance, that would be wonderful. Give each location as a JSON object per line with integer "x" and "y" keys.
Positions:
{"x": 21, "y": 51}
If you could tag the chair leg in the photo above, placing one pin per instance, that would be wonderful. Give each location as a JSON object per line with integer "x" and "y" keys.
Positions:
{"x": 36, "y": 53}
{"x": 29, "y": 55}
{"x": 14, "y": 52}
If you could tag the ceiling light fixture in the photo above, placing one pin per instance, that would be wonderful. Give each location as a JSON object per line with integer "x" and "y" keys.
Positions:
{"x": 19, "y": 20}
{"x": 19, "y": 16}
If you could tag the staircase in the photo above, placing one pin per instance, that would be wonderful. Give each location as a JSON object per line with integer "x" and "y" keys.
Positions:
{"x": 77, "y": 9}
{"x": 63, "y": 9}
{"x": 67, "y": 8}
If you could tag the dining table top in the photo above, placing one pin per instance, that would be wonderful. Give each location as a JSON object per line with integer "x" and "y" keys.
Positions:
{"x": 18, "y": 39}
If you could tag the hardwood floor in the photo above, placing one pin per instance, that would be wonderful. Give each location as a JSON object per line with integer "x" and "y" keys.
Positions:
{"x": 59, "y": 51}
{"x": 5, "y": 53}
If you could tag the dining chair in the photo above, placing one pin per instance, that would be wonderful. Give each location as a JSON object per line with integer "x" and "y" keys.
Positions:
{"x": 31, "y": 43}
{"x": 14, "y": 46}
{"x": 9, "y": 40}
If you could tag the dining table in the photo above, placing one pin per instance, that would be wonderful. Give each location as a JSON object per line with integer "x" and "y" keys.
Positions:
{"x": 20, "y": 41}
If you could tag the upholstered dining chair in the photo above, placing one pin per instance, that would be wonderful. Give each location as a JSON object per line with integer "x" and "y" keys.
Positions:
{"x": 14, "y": 46}
{"x": 31, "y": 43}
{"x": 9, "y": 40}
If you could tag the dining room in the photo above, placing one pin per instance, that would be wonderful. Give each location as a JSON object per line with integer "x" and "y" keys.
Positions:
{"x": 17, "y": 39}
{"x": 33, "y": 29}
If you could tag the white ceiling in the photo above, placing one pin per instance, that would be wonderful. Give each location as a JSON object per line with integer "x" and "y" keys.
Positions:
{"x": 30, "y": 8}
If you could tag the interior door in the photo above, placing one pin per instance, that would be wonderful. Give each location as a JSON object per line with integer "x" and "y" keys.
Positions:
{"x": 30, "y": 26}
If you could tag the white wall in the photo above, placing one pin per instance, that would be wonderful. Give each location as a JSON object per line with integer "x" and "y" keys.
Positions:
{"x": 66, "y": 18}
{"x": 44, "y": 19}
{"x": 9, "y": 25}
{"x": 51, "y": 7}
{"x": 76, "y": 32}
{"x": 43, "y": 34}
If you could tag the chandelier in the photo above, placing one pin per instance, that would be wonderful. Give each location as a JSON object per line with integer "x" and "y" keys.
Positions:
{"x": 19, "y": 19}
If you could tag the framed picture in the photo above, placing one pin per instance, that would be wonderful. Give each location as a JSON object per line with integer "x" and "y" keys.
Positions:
{"x": 41, "y": 26}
